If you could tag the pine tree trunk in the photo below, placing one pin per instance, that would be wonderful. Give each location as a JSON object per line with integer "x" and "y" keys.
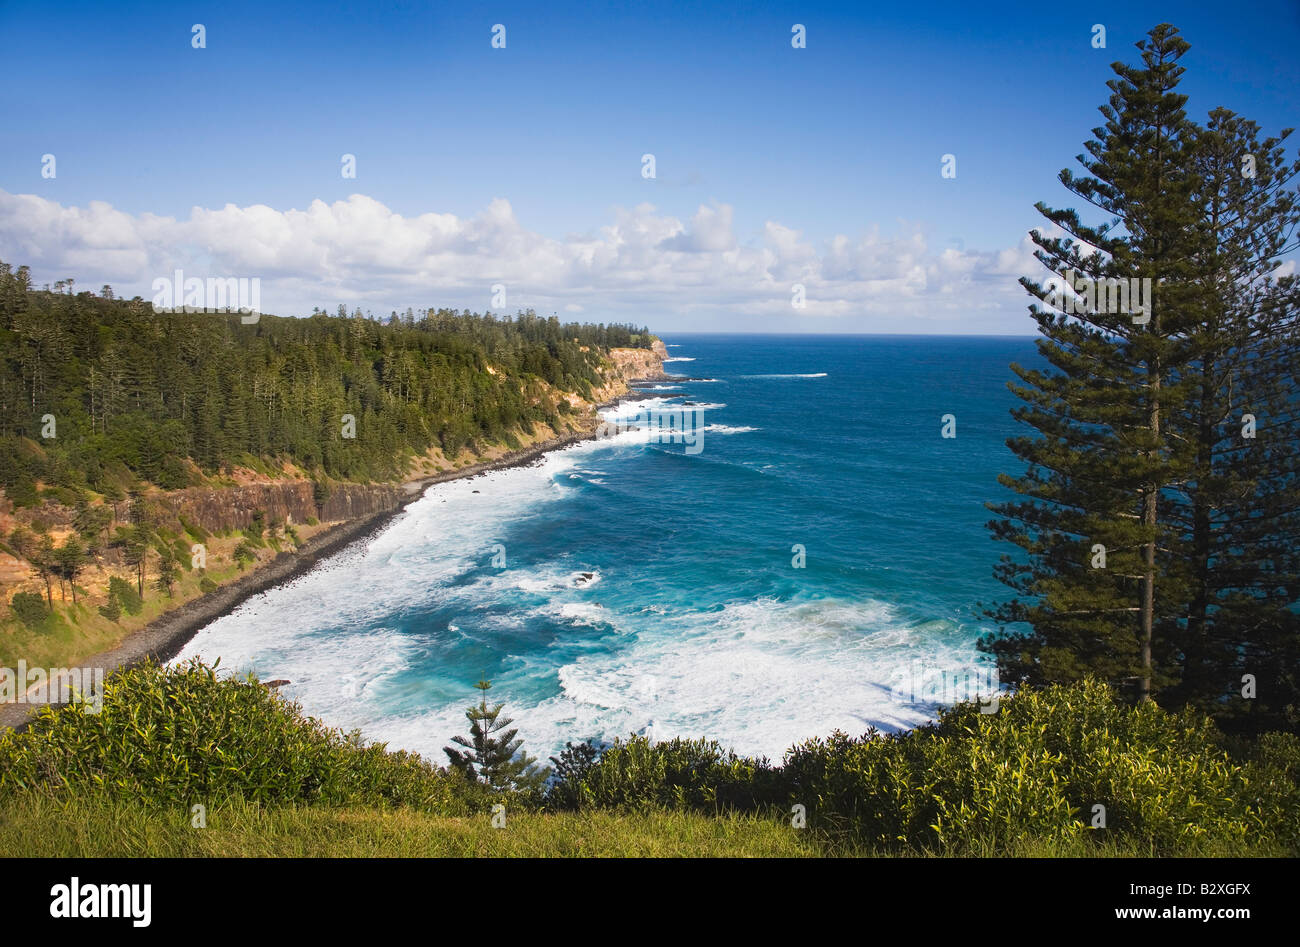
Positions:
{"x": 1149, "y": 505}
{"x": 1196, "y": 646}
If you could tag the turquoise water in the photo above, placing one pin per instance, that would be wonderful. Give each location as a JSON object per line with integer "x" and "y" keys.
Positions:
{"x": 623, "y": 586}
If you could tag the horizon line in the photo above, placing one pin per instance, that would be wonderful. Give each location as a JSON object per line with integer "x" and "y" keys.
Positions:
{"x": 910, "y": 335}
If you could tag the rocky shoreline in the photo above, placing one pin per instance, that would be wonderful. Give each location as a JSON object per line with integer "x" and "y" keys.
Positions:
{"x": 164, "y": 637}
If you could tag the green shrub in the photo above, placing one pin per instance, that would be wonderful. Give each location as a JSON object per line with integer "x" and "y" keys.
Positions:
{"x": 112, "y": 609}
{"x": 570, "y": 770}
{"x": 180, "y": 736}
{"x": 977, "y": 783}
{"x": 638, "y": 774}
{"x": 22, "y": 493}
{"x": 1273, "y": 783}
{"x": 206, "y": 585}
{"x": 126, "y": 595}
{"x": 1036, "y": 768}
{"x": 257, "y": 528}
{"x": 60, "y": 494}
{"x": 195, "y": 531}
{"x": 30, "y": 609}
{"x": 244, "y": 553}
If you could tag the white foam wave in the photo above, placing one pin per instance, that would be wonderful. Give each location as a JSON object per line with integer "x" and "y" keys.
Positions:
{"x": 630, "y": 409}
{"x": 584, "y": 613}
{"x": 810, "y": 375}
{"x": 727, "y": 429}
{"x": 757, "y": 676}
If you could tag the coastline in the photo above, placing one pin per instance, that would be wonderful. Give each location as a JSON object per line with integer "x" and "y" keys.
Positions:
{"x": 164, "y": 637}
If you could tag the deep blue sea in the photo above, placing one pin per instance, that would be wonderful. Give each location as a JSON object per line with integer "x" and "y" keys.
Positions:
{"x": 699, "y": 616}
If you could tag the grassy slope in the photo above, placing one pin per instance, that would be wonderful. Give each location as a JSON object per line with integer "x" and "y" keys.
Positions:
{"x": 76, "y": 632}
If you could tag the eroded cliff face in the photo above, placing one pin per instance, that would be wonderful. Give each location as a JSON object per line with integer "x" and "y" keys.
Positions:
{"x": 627, "y": 365}
{"x": 640, "y": 363}
{"x": 219, "y": 509}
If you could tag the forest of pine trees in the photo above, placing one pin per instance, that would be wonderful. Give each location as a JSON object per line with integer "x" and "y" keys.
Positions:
{"x": 1158, "y": 518}
{"x": 137, "y": 395}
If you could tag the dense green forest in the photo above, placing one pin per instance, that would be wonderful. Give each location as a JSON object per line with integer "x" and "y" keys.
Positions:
{"x": 111, "y": 390}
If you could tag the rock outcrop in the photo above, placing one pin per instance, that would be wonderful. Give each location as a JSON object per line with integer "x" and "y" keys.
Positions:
{"x": 218, "y": 509}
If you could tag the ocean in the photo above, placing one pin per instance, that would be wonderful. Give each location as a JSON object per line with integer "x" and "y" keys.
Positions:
{"x": 814, "y": 561}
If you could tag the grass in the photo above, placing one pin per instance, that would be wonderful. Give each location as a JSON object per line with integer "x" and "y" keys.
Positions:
{"x": 37, "y": 826}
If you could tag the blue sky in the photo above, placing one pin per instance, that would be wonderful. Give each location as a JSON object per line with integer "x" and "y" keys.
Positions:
{"x": 530, "y": 156}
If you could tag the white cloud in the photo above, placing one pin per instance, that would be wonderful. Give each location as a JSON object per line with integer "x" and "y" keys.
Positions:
{"x": 643, "y": 266}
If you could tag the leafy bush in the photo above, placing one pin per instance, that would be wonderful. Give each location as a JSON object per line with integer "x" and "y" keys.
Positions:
{"x": 975, "y": 782}
{"x": 244, "y": 553}
{"x": 179, "y": 736}
{"x": 206, "y": 585}
{"x": 1273, "y": 779}
{"x": 1034, "y": 769}
{"x": 638, "y": 774}
{"x": 30, "y": 609}
{"x": 570, "y": 770}
{"x": 195, "y": 531}
{"x": 112, "y": 609}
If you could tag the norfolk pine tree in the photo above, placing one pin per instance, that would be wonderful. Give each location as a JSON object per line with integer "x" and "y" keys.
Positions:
{"x": 1217, "y": 575}
{"x": 1238, "y": 511}
{"x": 491, "y": 755}
{"x": 1101, "y": 459}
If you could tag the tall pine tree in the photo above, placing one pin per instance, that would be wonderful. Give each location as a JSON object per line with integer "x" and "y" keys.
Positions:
{"x": 1160, "y": 511}
{"x": 1238, "y": 511}
{"x": 1090, "y": 582}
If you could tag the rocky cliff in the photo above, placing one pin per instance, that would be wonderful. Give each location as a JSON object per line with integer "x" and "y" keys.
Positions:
{"x": 219, "y": 509}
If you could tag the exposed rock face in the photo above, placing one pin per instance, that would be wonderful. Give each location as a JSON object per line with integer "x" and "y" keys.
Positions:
{"x": 631, "y": 365}
{"x": 233, "y": 507}
{"x": 350, "y": 501}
